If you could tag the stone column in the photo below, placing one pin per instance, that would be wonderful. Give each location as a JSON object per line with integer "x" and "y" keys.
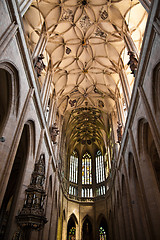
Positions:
{"x": 41, "y": 44}
{"x": 146, "y": 4}
{"x": 24, "y": 5}
{"x": 124, "y": 79}
{"x": 124, "y": 88}
{"x": 51, "y": 113}
{"x": 46, "y": 92}
{"x": 130, "y": 44}
{"x": 45, "y": 84}
{"x": 119, "y": 113}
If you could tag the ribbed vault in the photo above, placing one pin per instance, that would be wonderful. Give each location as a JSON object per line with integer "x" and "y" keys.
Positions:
{"x": 85, "y": 41}
{"x": 85, "y": 44}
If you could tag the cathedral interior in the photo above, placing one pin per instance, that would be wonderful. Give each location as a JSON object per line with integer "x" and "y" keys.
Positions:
{"x": 79, "y": 120}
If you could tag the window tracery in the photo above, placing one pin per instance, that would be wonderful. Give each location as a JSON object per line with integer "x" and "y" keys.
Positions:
{"x": 100, "y": 177}
{"x": 86, "y": 169}
{"x": 102, "y": 234}
{"x": 73, "y": 177}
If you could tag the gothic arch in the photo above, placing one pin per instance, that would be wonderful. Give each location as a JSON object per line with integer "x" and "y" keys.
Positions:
{"x": 148, "y": 149}
{"x": 74, "y": 218}
{"x": 126, "y": 208}
{"x": 71, "y": 227}
{"x": 9, "y": 90}
{"x": 102, "y": 223}
{"x": 141, "y": 135}
{"x": 136, "y": 200}
{"x": 156, "y": 87}
{"x": 87, "y": 226}
{"x": 32, "y": 136}
{"x": 15, "y": 180}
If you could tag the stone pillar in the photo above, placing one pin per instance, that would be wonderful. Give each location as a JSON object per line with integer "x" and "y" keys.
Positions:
{"x": 80, "y": 176}
{"x": 51, "y": 113}
{"x": 45, "y": 84}
{"x": 126, "y": 85}
{"x": 146, "y": 4}
{"x": 131, "y": 47}
{"x": 41, "y": 44}
{"x": 46, "y": 92}
{"x": 119, "y": 113}
{"x": 125, "y": 89}
{"x": 24, "y": 5}
{"x": 93, "y": 176}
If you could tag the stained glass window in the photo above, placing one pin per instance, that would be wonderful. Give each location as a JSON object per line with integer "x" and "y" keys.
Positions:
{"x": 100, "y": 177}
{"x": 73, "y": 177}
{"x": 102, "y": 234}
{"x": 86, "y": 169}
{"x": 72, "y": 233}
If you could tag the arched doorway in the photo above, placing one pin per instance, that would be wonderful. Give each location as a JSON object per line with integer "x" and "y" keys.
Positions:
{"x": 71, "y": 228}
{"x": 87, "y": 233}
{"x": 14, "y": 183}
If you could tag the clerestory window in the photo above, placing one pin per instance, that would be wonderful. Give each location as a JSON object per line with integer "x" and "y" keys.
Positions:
{"x": 86, "y": 169}
{"x": 73, "y": 176}
{"x": 100, "y": 174}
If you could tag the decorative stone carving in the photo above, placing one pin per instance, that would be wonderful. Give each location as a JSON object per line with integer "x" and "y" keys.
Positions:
{"x": 32, "y": 215}
{"x": 54, "y": 132}
{"x": 103, "y": 14}
{"x": 72, "y": 102}
{"x": 67, "y": 15}
{"x": 100, "y": 33}
{"x": 133, "y": 63}
{"x": 39, "y": 65}
{"x": 100, "y": 103}
{"x": 68, "y": 50}
{"x": 119, "y": 132}
{"x": 85, "y": 22}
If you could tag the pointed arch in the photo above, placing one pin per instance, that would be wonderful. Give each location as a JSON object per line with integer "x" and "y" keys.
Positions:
{"x": 74, "y": 218}
{"x": 136, "y": 196}
{"x": 147, "y": 147}
{"x": 87, "y": 230}
{"x": 126, "y": 208}
{"x": 156, "y": 87}
{"x": 9, "y": 90}
{"x": 71, "y": 227}
{"x": 102, "y": 231}
{"x": 14, "y": 181}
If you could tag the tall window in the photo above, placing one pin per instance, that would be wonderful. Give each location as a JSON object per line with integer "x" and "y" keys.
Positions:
{"x": 102, "y": 234}
{"x": 99, "y": 168}
{"x": 73, "y": 177}
{"x": 86, "y": 169}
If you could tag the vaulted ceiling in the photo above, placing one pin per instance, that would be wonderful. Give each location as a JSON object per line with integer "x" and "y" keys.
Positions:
{"x": 85, "y": 42}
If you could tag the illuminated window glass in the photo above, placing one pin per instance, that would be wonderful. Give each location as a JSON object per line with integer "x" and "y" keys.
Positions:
{"x": 73, "y": 177}
{"x": 72, "y": 233}
{"x": 102, "y": 234}
{"x": 87, "y": 192}
{"x": 86, "y": 169}
{"x": 100, "y": 191}
{"x": 100, "y": 176}
{"x": 73, "y": 190}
